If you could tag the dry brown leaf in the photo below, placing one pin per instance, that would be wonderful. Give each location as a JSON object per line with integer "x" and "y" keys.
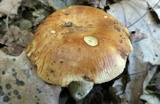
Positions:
{"x": 146, "y": 45}
{"x": 9, "y": 7}
{"x": 134, "y": 89}
{"x": 15, "y": 40}
{"x": 137, "y": 36}
{"x": 59, "y": 4}
{"x": 19, "y": 83}
{"x": 149, "y": 77}
{"x": 95, "y": 3}
{"x": 145, "y": 52}
{"x": 119, "y": 86}
{"x": 129, "y": 11}
{"x": 151, "y": 87}
{"x": 150, "y": 98}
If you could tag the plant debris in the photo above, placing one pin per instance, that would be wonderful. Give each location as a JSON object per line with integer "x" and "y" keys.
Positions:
{"x": 139, "y": 83}
{"x": 21, "y": 84}
{"x": 9, "y": 7}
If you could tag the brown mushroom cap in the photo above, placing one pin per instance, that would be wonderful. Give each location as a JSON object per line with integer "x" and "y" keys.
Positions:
{"x": 79, "y": 43}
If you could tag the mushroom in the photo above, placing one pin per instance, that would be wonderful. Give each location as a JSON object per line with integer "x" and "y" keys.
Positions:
{"x": 79, "y": 46}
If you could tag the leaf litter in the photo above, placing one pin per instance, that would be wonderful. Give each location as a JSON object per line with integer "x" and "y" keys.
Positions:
{"x": 20, "y": 84}
{"x": 139, "y": 83}
{"x": 15, "y": 39}
{"x": 9, "y": 7}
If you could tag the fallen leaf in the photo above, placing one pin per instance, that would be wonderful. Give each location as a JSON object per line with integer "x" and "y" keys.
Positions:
{"x": 137, "y": 36}
{"x": 145, "y": 52}
{"x": 15, "y": 40}
{"x": 151, "y": 87}
{"x": 24, "y": 24}
{"x": 119, "y": 86}
{"x": 13, "y": 49}
{"x": 39, "y": 16}
{"x": 95, "y": 3}
{"x": 157, "y": 10}
{"x": 131, "y": 14}
{"x": 19, "y": 83}
{"x": 9, "y": 7}
{"x": 65, "y": 3}
{"x": 150, "y": 98}
{"x": 59, "y": 4}
{"x": 156, "y": 79}
{"x": 137, "y": 71}
{"x": 149, "y": 77}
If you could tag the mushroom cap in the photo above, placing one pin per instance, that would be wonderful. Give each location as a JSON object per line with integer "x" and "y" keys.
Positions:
{"x": 79, "y": 43}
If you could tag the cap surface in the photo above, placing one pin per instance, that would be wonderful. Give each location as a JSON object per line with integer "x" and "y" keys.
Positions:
{"x": 79, "y": 43}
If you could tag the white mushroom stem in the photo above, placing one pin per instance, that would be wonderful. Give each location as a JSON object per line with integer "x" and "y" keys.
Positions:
{"x": 79, "y": 90}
